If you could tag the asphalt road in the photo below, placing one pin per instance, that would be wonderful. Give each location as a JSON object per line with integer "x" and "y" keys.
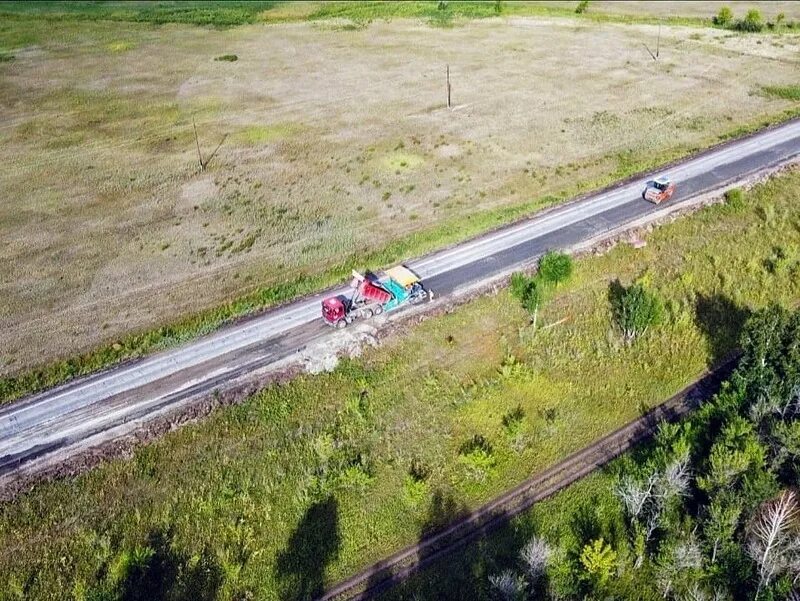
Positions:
{"x": 93, "y": 408}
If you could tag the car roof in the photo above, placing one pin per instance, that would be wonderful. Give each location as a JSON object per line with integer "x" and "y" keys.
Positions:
{"x": 663, "y": 179}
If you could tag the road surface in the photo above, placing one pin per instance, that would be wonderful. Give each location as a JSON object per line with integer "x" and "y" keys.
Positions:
{"x": 47, "y": 426}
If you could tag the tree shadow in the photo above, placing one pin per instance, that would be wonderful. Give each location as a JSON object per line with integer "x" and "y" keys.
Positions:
{"x": 720, "y": 320}
{"x": 443, "y": 510}
{"x": 314, "y": 544}
{"x": 439, "y": 528}
{"x": 163, "y": 572}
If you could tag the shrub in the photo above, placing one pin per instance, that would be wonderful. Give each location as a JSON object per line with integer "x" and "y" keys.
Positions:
{"x": 555, "y": 267}
{"x": 752, "y": 22}
{"x": 419, "y": 470}
{"x": 478, "y": 455}
{"x": 228, "y": 58}
{"x": 513, "y": 419}
{"x": 508, "y": 586}
{"x": 634, "y": 308}
{"x": 734, "y": 198}
{"x": 724, "y": 17}
{"x": 582, "y": 7}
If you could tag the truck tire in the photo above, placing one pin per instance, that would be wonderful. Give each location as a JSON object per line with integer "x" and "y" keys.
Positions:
{"x": 378, "y": 310}
{"x": 341, "y": 324}
{"x": 367, "y": 313}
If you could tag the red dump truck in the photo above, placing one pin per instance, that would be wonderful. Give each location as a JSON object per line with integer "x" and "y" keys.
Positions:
{"x": 372, "y": 295}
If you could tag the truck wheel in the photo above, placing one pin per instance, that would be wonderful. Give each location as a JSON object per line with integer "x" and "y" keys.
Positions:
{"x": 341, "y": 324}
{"x": 367, "y": 313}
{"x": 378, "y": 310}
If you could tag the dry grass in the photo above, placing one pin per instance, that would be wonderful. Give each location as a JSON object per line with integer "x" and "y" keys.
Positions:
{"x": 336, "y": 143}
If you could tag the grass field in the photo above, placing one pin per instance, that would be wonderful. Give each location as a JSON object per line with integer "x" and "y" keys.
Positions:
{"x": 332, "y": 150}
{"x": 309, "y": 481}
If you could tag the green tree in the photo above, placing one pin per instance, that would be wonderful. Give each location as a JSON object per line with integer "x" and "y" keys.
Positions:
{"x": 530, "y": 293}
{"x": 634, "y": 308}
{"x": 721, "y": 522}
{"x": 724, "y": 17}
{"x": 555, "y": 267}
{"x": 599, "y": 561}
{"x": 736, "y": 451}
{"x": 582, "y": 7}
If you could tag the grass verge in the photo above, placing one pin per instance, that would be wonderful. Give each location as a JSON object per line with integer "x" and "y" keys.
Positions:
{"x": 307, "y": 482}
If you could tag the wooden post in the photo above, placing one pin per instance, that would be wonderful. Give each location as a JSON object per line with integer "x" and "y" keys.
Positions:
{"x": 448, "y": 86}
{"x": 658, "y": 41}
{"x": 197, "y": 142}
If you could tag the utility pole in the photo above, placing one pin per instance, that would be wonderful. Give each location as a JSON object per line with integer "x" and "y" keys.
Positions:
{"x": 197, "y": 142}
{"x": 448, "y": 86}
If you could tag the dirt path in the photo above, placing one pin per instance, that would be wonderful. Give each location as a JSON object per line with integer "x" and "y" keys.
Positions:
{"x": 383, "y": 575}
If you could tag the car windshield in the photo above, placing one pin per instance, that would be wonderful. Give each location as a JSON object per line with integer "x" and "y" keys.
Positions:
{"x": 660, "y": 185}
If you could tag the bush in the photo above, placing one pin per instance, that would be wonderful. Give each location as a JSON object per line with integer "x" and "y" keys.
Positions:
{"x": 751, "y": 23}
{"x": 555, "y": 267}
{"x": 582, "y": 7}
{"x": 724, "y": 17}
{"x": 734, "y": 198}
{"x": 634, "y": 308}
{"x": 478, "y": 455}
{"x": 419, "y": 470}
{"x": 228, "y": 58}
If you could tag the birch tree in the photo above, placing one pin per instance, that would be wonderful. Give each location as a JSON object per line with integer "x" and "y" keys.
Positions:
{"x": 773, "y": 536}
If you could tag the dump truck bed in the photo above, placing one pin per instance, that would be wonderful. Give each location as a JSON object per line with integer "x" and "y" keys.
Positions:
{"x": 402, "y": 275}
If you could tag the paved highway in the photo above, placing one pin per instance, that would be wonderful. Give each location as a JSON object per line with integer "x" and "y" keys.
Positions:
{"x": 93, "y": 408}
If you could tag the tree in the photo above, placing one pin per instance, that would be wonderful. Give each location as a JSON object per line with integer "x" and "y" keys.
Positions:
{"x": 769, "y": 370}
{"x": 736, "y": 451}
{"x": 582, "y": 7}
{"x": 680, "y": 565}
{"x": 724, "y": 17}
{"x": 555, "y": 267}
{"x": 599, "y": 560}
{"x": 773, "y": 538}
{"x": 634, "y": 309}
{"x": 530, "y": 293}
{"x": 721, "y": 522}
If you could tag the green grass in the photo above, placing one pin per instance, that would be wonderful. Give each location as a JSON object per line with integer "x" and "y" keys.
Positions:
{"x": 783, "y": 92}
{"x": 255, "y": 135}
{"x": 308, "y": 481}
{"x": 138, "y": 344}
